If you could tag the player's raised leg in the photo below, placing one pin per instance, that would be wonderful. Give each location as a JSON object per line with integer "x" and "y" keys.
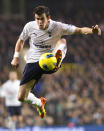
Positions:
{"x": 60, "y": 51}
{"x": 24, "y": 95}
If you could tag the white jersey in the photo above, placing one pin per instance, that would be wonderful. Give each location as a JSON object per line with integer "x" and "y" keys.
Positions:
{"x": 10, "y": 92}
{"x": 42, "y": 41}
{"x": 0, "y": 91}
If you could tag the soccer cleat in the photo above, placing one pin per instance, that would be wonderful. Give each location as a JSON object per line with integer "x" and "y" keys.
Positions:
{"x": 58, "y": 56}
{"x": 41, "y": 109}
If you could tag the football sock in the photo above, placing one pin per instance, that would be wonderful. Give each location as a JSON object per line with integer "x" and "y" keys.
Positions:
{"x": 63, "y": 48}
{"x": 31, "y": 99}
{"x": 12, "y": 124}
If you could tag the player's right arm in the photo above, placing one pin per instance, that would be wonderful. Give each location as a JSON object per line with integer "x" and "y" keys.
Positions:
{"x": 18, "y": 48}
{"x": 19, "y": 45}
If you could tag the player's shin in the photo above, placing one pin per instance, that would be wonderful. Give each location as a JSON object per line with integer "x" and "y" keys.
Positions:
{"x": 60, "y": 52}
{"x": 38, "y": 103}
{"x": 63, "y": 48}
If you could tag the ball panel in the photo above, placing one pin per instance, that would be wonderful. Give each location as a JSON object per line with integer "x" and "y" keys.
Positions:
{"x": 45, "y": 67}
{"x": 50, "y": 55}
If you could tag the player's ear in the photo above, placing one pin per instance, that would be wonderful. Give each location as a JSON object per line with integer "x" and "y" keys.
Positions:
{"x": 48, "y": 17}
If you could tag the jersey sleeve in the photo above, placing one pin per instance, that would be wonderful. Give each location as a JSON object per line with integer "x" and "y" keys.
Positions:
{"x": 24, "y": 34}
{"x": 3, "y": 91}
{"x": 66, "y": 29}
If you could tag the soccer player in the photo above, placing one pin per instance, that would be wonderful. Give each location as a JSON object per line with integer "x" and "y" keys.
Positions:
{"x": 10, "y": 92}
{"x": 44, "y": 35}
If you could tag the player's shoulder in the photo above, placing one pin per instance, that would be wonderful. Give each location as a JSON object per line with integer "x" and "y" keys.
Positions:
{"x": 5, "y": 84}
{"x": 61, "y": 23}
{"x": 30, "y": 24}
{"x": 58, "y": 23}
{"x": 65, "y": 26}
{"x": 54, "y": 22}
{"x": 18, "y": 81}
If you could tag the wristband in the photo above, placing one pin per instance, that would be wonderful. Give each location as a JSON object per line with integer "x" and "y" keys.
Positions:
{"x": 16, "y": 54}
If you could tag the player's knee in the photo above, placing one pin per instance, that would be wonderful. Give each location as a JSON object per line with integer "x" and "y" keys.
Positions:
{"x": 21, "y": 98}
{"x": 62, "y": 41}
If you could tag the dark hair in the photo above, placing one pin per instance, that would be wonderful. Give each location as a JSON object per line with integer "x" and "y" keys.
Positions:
{"x": 39, "y": 10}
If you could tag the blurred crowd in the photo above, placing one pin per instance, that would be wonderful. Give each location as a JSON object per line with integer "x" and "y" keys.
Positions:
{"x": 75, "y": 94}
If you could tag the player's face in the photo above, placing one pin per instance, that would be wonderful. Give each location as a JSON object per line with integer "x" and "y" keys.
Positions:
{"x": 12, "y": 76}
{"x": 42, "y": 21}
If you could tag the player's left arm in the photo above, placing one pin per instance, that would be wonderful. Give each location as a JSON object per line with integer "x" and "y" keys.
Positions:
{"x": 86, "y": 30}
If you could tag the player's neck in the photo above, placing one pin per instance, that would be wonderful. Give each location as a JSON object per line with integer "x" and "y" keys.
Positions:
{"x": 12, "y": 80}
{"x": 47, "y": 25}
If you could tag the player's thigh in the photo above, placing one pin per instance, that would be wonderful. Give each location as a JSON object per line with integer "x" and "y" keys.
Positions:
{"x": 25, "y": 89}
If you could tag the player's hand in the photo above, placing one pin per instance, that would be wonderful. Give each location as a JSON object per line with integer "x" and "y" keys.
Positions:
{"x": 96, "y": 30}
{"x": 15, "y": 62}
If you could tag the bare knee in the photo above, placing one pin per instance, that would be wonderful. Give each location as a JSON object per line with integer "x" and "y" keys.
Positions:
{"x": 62, "y": 41}
{"x": 21, "y": 98}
